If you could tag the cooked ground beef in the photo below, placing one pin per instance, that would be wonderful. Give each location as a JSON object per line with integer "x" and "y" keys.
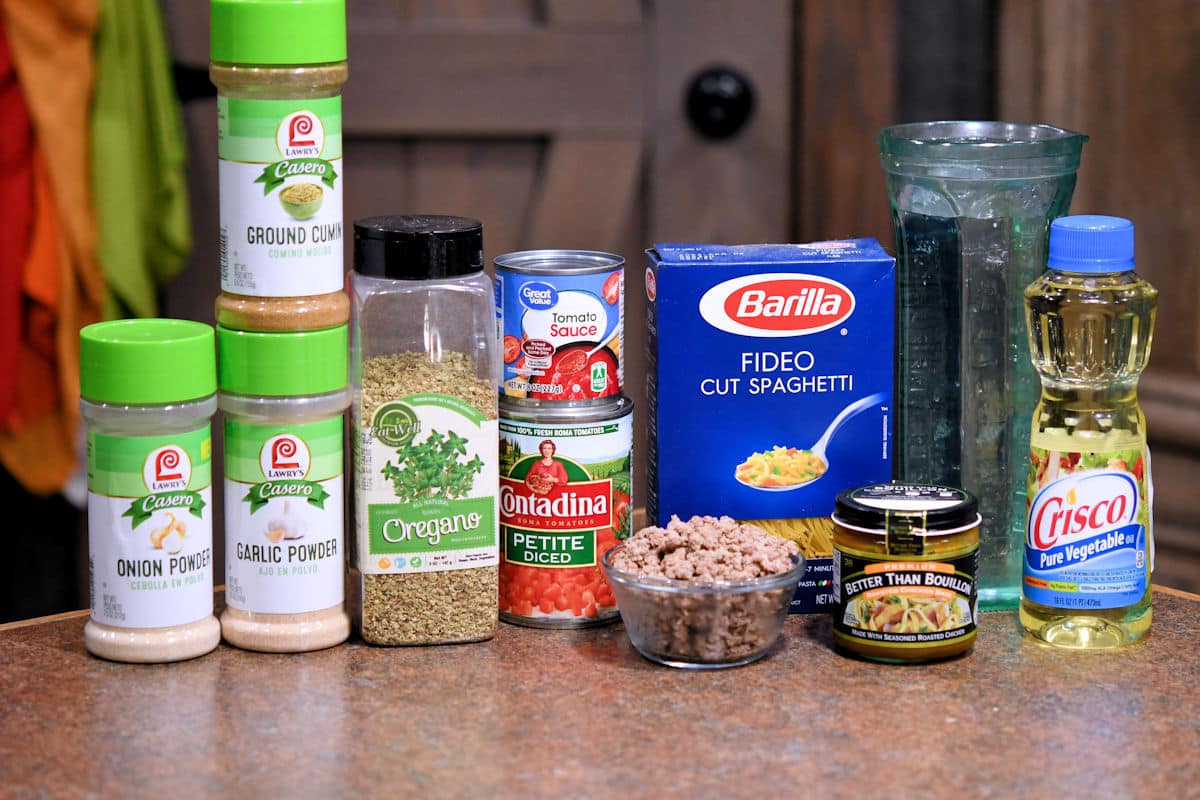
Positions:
{"x": 718, "y": 627}
{"x": 705, "y": 549}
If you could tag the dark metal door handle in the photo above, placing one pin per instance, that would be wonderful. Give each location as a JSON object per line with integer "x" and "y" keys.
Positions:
{"x": 720, "y": 100}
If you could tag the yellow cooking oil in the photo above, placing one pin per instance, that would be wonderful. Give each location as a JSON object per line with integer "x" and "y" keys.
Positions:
{"x": 1089, "y": 547}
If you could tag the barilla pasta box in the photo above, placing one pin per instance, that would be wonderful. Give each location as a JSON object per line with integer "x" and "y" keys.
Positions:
{"x": 769, "y": 387}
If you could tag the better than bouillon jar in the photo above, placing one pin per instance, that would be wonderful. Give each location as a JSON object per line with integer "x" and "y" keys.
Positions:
{"x": 904, "y": 563}
{"x": 424, "y": 369}
{"x": 279, "y": 68}
{"x": 283, "y": 396}
{"x": 148, "y": 389}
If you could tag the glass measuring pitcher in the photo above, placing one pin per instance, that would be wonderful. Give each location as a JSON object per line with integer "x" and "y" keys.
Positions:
{"x": 972, "y": 204}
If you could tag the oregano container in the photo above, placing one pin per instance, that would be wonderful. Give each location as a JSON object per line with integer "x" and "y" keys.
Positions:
{"x": 425, "y": 363}
{"x": 147, "y": 391}
{"x": 283, "y": 396}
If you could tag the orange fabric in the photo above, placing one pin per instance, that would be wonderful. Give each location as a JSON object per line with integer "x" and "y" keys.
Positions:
{"x": 16, "y": 220}
{"x": 51, "y": 42}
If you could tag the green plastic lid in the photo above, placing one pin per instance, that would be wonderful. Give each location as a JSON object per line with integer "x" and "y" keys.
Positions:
{"x": 146, "y": 361}
{"x": 282, "y": 364}
{"x": 278, "y": 31}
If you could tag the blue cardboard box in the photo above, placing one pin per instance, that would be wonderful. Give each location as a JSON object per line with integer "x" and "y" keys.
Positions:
{"x": 757, "y": 353}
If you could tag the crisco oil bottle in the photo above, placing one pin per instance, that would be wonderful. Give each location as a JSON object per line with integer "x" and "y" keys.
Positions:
{"x": 1089, "y": 546}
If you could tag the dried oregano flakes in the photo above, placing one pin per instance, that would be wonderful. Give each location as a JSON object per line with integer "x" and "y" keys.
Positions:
{"x": 427, "y": 529}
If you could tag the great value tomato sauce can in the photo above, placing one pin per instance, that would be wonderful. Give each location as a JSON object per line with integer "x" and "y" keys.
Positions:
{"x": 566, "y": 480}
{"x": 561, "y": 315}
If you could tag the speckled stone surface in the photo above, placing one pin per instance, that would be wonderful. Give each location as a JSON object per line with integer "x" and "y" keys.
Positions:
{"x": 537, "y": 713}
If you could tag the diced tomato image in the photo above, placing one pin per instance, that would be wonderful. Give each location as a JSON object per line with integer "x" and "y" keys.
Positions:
{"x": 572, "y": 370}
{"x": 512, "y": 348}
{"x": 612, "y": 289}
{"x": 580, "y": 592}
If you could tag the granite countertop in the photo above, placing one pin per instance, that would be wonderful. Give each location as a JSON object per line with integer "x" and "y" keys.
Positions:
{"x": 537, "y": 713}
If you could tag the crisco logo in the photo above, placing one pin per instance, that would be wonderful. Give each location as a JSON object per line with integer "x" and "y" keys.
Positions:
{"x": 776, "y": 305}
{"x": 537, "y": 295}
{"x": 167, "y": 469}
{"x": 284, "y": 456}
{"x": 1080, "y": 506}
{"x": 300, "y": 135}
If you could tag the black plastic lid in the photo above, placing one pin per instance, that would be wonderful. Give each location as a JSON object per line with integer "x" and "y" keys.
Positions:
{"x": 418, "y": 246}
{"x": 922, "y": 506}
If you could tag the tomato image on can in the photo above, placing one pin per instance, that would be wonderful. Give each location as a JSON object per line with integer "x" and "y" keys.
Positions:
{"x": 562, "y": 319}
{"x": 565, "y": 500}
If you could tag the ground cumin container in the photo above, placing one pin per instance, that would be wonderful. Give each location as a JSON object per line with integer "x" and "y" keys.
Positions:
{"x": 562, "y": 317}
{"x": 904, "y": 563}
{"x": 148, "y": 390}
{"x": 565, "y": 498}
{"x": 283, "y": 396}
{"x": 279, "y": 68}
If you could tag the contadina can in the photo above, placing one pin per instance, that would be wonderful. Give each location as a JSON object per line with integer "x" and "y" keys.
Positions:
{"x": 562, "y": 317}
{"x": 904, "y": 566}
{"x": 565, "y": 498}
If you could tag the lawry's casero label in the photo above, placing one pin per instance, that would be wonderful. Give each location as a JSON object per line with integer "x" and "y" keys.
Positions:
{"x": 754, "y": 352}
{"x": 150, "y": 528}
{"x": 280, "y": 196}
{"x": 284, "y": 534}
{"x": 415, "y": 523}
{"x": 565, "y": 500}
{"x": 1086, "y": 542}
{"x": 562, "y": 334}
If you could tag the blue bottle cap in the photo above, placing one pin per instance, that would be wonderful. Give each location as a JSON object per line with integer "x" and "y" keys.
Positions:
{"x": 1091, "y": 243}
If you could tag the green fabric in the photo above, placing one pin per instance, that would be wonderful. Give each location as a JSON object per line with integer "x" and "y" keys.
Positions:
{"x": 138, "y": 159}
{"x": 147, "y": 361}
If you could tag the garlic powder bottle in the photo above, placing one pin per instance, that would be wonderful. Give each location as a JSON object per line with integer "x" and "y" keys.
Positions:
{"x": 148, "y": 393}
{"x": 283, "y": 396}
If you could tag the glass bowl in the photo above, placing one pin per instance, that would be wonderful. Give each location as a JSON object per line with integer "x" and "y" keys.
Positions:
{"x": 702, "y": 625}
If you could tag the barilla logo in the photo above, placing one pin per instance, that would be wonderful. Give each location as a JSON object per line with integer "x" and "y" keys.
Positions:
{"x": 580, "y": 506}
{"x": 777, "y": 305}
{"x": 538, "y": 295}
{"x": 300, "y": 134}
{"x": 284, "y": 456}
{"x": 167, "y": 469}
{"x": 1082, "y": 516}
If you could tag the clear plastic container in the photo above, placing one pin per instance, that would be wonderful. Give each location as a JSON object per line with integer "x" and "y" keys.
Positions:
{"x": 1089, "y": 551}
{"x": 279, "y": 69}
{"x": 424, "y": 370}
{"x": 148, "y": 394}
{"x": 283, "y": 396}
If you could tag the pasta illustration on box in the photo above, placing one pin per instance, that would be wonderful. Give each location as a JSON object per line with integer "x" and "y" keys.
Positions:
{"x": 769, "y": 387}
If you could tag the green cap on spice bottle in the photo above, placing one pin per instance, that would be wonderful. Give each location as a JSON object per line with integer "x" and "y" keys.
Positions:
{"x": 270, "y": 32}
{"x": 146, "y": 361}
{"x": 282, "y": 364}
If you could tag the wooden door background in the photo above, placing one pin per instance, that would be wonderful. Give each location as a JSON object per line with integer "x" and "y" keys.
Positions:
{"x": 560, "y": 123}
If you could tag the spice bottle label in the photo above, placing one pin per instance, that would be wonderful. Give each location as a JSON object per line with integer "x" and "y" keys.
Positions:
{"x": 1087, "y": 541}
{"x": 150, "y": 528}
{"x": 281, "y": 196}
{"x": 427, "y": 477}
{"x": 284, "y": 535}
{"x": 905, "y": 603}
